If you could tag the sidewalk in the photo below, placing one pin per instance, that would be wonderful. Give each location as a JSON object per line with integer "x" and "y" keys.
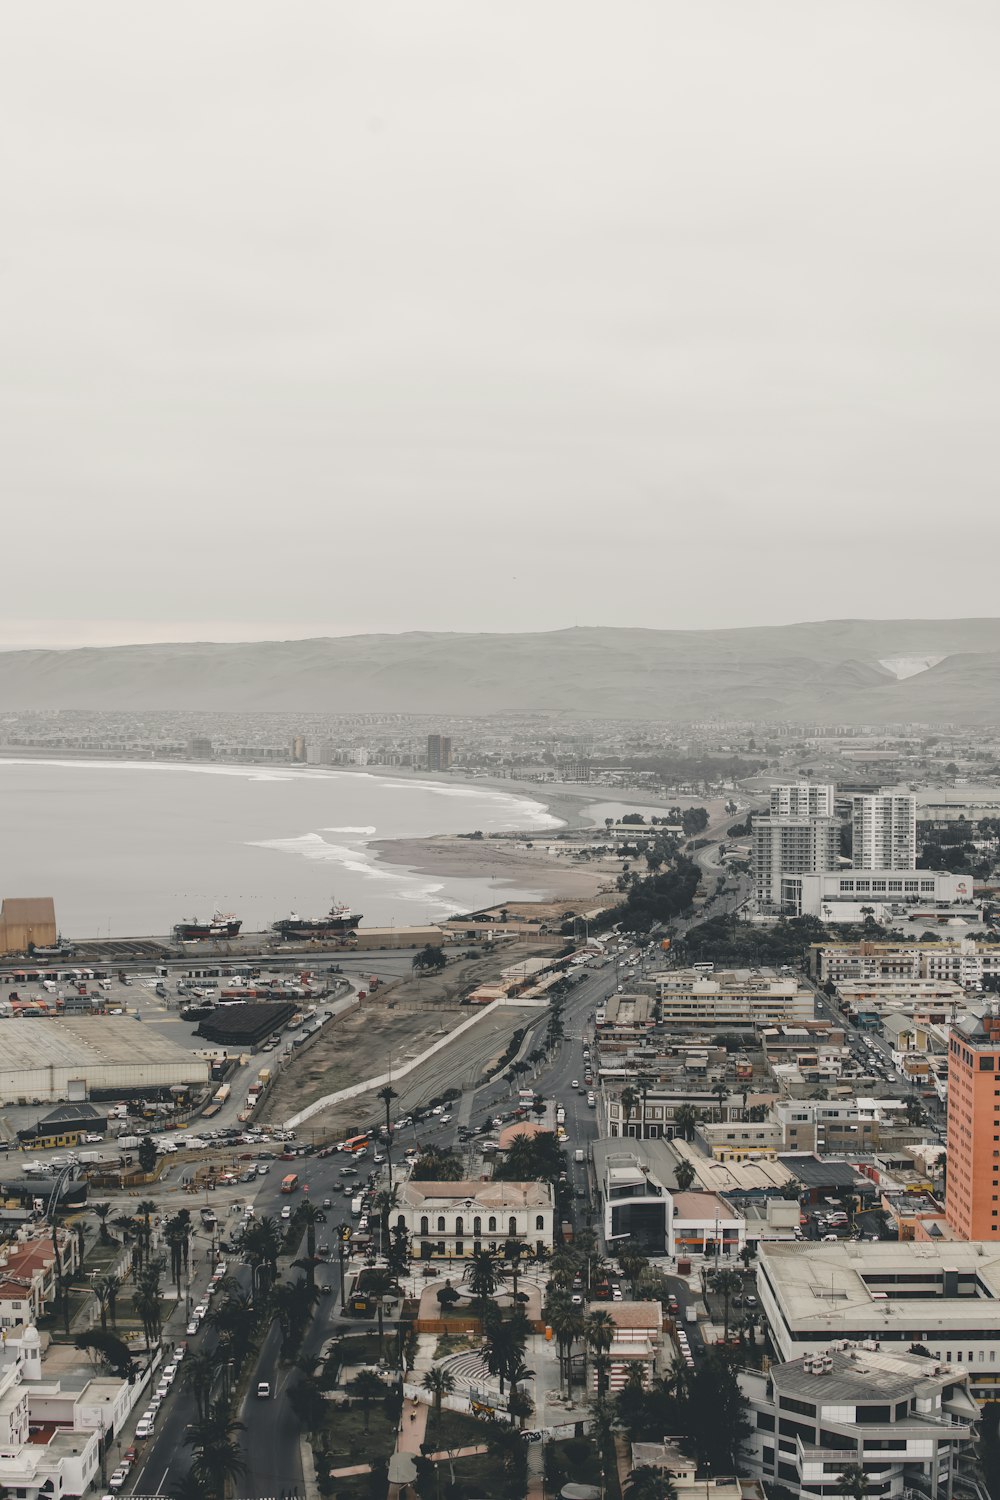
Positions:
{"x": 412, "y": 1427}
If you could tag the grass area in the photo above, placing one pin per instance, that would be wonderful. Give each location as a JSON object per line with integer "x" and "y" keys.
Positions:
{"x": 347, "y": 1442}
{"x": 479, "y": 1475}
{"x": 456, "y": 1429}
{"x": 454, "y": 1343}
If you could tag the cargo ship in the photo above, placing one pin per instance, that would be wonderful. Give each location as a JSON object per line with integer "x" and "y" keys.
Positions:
{"x": 223, "y": 925}
{"x": 339, "y": 922}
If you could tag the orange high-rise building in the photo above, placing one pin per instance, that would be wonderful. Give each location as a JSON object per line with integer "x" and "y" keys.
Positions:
{"x": 972, "y": 1202}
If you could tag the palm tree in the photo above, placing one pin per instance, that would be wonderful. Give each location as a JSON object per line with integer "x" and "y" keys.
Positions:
{"x": 485, "y": 1275}
{"x": 632, "y": 1264}
{"x": 721, "y": 1091}
{"x": 629, "y": 1100}
{"x": 368, "y": 1388}
{"x": 198, "y": 1373}
{"x": 146, "y": 1208}
{"x": 853, "y": 1481}
{"x": 106, "y": 1291}
{"x": 506, "y": 1341}
{"x": 513, "y": 1251}
{"x": 601, "y": 1330}
{"x": 727, "y": 1282}
{"x": 684, "y": 1174}
{"x": 176, "y": 1234}
{"x": 647, "y": 1483}
{"x": 440, "y": 1383}
{"x": 558, "y": 1311}
{"x": 260, "y": 1248}
{"x": 310, "y": 1214}
{"x": 188, "y": 1487}
{"x": 387, "y": 1094}
{"x": 685, "y": 1120}
{"x": 217, "y": 1459}
{"x": 378, "y": 1285}
{"x": 101, "y": 1211}
{"x": 386, "y": 1200}
{"x": 563, "y": 1268}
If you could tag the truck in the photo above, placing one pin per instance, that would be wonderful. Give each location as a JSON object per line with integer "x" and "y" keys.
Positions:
{"x": 690, "y": 1313}
{"x": 129, "y": 1142}
{"x": 356, "y": 1206}
{"x": 373, "y": 983}
{"x": 222, "y": 1094}
{"x": 579, "y": 1154}
{"x": 561, "y": 1115}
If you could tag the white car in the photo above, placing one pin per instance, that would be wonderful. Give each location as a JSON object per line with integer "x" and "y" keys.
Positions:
{"x": 286, "y": 1212}
{"x": 193, "y": 1326}
{"x": 117, "y": 1480}
{"x": 144, "y": 1428}
{"x": 169, "y": 1371}
{"x": 438, "y": 1109}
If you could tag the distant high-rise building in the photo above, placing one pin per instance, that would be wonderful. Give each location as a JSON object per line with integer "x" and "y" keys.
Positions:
{"x": 790, "y": 846}
{"x": 884, "y": 831}
{"x": 803, "y": 800}
{"x": 972, "y": 1197}
{"x": 299, "y": 749}
{"x": 439, "y": 752}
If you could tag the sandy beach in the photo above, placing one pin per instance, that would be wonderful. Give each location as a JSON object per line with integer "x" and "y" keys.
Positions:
{"x": 535, "y": 862}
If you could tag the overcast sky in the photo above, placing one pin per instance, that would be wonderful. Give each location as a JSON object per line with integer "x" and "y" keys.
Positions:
{"x": 330, "y": 318}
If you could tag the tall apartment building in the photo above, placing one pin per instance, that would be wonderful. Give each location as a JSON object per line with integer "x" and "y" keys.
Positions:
{"x": 972, "y": 1202}
{"x": 790, "y": 846}
{"x": 884, "y": 831}
{"x": 803, "y": 800}
{"x": 439, "y": 752}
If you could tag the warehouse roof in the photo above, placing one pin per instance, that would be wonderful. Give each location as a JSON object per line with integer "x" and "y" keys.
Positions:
{"x": 82, "y": 1041}
{"x": 28, "y": 910}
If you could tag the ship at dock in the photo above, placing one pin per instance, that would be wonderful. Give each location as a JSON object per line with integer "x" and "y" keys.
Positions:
{"x": 340, "y": 922}
{"x": 222, "y": 926}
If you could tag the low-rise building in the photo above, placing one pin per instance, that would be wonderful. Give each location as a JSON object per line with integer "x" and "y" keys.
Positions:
{"x": 906, "y": 1420}
{"x": 942, "y": 1294}
{"x": 637, "y": 1343}
{"x": 737, "y": 998}
{"x": 740, "y": 1140}
{"x": 454, "y": 1220}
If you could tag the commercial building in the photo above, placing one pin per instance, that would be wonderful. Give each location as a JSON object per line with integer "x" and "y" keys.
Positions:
{"x": 636, "y": 1206}
{"x": 731, "y": 998}
{"x": 63, "y": 1126}
{"x": 838, "y": 896}
{"x": 439, "y": 752}
{"x": 27, "y": 922}
{"x": 963, "y": 961}
{"x": 884, "y": 831}
{"x": 454, "y": 1220}
{"x": 943, "y": 1294}
{"x": 907, "y": 1421}
{"x": 637, "y": 1343}
{"x": 66, "y": 1057}
{"x": 972, "y": 1206}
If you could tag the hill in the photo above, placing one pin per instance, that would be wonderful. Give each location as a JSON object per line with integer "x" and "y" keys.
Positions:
{"x": 832, "y": 671}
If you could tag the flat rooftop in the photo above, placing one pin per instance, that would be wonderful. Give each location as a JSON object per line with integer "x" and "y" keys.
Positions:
{"x": 76, "y": 1041}
{"x": 850, "y": 1289}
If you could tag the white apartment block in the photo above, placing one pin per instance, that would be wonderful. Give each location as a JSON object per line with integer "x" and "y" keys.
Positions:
{"x": 790, "y": 846}
{"x": 884, "y": 831}
{"x": 906, "y": 1420}
{"x": 839, "y": 895}
{"x": 965, "y": 962}
{"x": 803, "y": 800}
{"x": 735, "y": 997}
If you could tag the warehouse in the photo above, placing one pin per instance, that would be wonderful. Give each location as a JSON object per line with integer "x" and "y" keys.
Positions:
{"x": 69, "y": 1057}
{"x": 246, "y": 1025}
{"x": 64, "y": 1126}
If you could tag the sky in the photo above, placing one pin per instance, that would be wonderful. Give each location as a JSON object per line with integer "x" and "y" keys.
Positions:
{"x": 331, "y": 318}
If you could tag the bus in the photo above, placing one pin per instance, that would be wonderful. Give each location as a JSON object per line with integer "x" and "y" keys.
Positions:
{"x": 356, "y": 1143}
{"x": 290, "y": 1183}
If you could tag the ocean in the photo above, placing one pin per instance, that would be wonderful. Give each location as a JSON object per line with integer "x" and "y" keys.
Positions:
{"x": 129, "y": 848}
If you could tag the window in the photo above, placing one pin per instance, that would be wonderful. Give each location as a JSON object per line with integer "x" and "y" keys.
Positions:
{"x": 424, "y": 1224}
{"x": 401, "y": 1222}
{"x": 441, "y": 1224}
{"x": 539, "y": 1221}
{"x": 459, "y": 1225}
{"x": 512, "y": 1226}
{"x": 459, "y": 1248}
{"x": 477, "y": 1226}
{"x": 492, "y": 1225}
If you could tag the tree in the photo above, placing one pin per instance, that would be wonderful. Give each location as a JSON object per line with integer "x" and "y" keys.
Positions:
{"x": 430, "y": 960}
{"x": 629, "y": 1100}
{"x": 217, "y": 1458}
{"x": 111, "y": 1349}
{"x": 260, "y": 1248}
{"x": 506, "y": 1341}
{"x": 101, "y": 1211}
{"x": 146, "y": 1209}
{"x": 147, "y": 1155}
{"x": 198, "y": 1372}
{"x": 852, "y": 1480}
{"x": 106, "y": 1292}
{"x": 721, "y": 1092}
{"x": 514, "y": 1251}
{"x": 309, "y": 1213}
{"x": 601, "y": 1330}
{"x": 686, "y": 1119}
{"x": 726, "y": 1283}
{"x": 684, "y": 1174}
{"x": 647, "y": 1483}
{"x": 440, "y": 1383}
{"x": 434, "y": 1165}
{"x": 368, "y": 1388}
{"x": 632, "y": 1264}
{"x": 378, "y": 1285}
{"x": 915, "y": 1113}
{"x": 485, "y": 1276}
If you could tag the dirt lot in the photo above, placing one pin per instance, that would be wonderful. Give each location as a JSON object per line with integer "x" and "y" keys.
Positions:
{"x": 365, "y": 1041}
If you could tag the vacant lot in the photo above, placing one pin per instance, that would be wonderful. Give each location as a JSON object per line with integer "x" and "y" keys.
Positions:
{"x": 373, "y": 1039}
